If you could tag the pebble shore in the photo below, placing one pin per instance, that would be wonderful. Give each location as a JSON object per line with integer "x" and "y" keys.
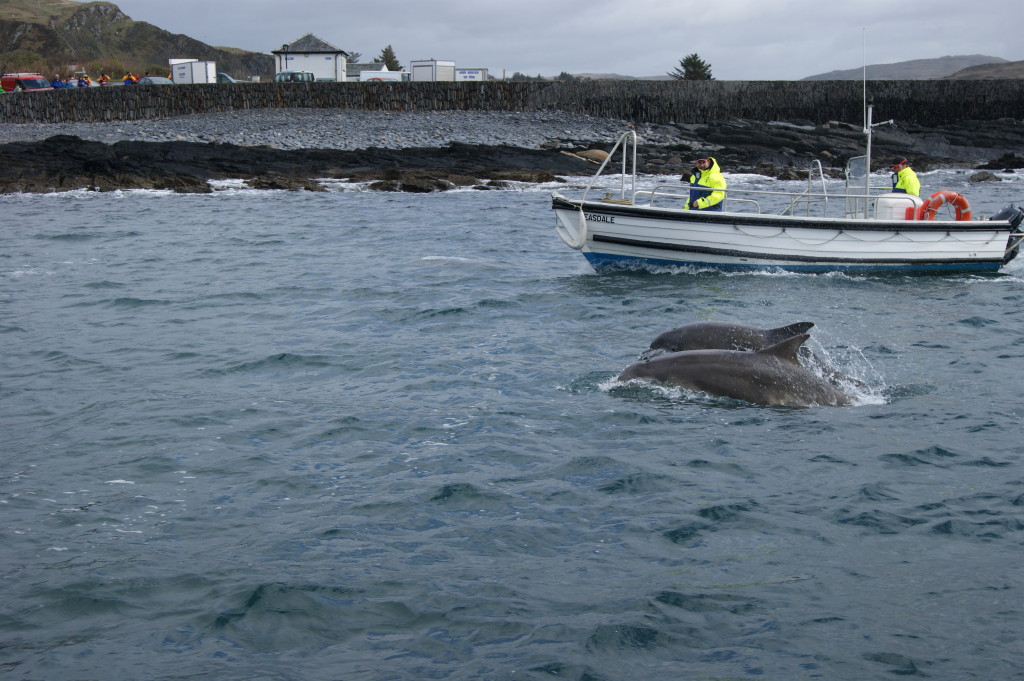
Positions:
{"x": 349, "y": 129}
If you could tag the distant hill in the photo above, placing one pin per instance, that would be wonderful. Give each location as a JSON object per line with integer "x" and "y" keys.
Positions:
{"x": 48, "y": 36}
{"x": 1010, "y": 69}
{"x": 975, "y": 66}
{"x": 916, "y": 69}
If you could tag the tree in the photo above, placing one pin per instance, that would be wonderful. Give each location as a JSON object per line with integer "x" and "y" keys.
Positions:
{"x": 692, "y": 68}
{"x": 354, "y": 57}
{"x": 387, "y": 56}
{"x": 524, "y": 77}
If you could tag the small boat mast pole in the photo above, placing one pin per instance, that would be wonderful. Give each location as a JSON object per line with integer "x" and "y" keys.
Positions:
{"x": 868, "y": 125}
{"x": 865, "y": 110}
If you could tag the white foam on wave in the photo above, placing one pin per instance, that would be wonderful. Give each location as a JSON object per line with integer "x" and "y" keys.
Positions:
{"x": 860, "y": 394}
{"x": 458, "y": 260}
{"x": 84, "y": 193}
{"x": 237, "y": 183}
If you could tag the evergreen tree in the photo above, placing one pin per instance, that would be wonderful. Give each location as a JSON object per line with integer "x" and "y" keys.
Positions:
{"x": 692, "y": 67}
{"x": 387, "y": 56}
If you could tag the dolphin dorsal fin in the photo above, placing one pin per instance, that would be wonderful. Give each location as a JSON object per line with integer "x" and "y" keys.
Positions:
{"x": 788, "y": 332}
{"x": 792, "y": 329}
{"x": 787, "y": 349}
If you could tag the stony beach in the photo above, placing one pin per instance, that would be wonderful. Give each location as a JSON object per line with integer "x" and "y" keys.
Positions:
{"x": 437, "y": 150}
{"x": 349, "y": 129}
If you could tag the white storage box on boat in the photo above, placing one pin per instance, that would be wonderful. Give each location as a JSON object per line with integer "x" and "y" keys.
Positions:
{"x": 893, "y": 206}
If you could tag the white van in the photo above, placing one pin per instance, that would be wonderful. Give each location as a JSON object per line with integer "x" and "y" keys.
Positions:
{"x": 294, "y": 77}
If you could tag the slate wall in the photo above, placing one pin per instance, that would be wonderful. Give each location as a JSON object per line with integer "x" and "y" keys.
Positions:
{"x": 928, "y": 103}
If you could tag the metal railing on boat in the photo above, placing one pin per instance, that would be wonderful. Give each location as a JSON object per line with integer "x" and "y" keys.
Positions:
{"x": 807, "y": 202}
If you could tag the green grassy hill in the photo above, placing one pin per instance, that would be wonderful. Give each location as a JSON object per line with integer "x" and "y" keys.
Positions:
{"x": 57, "y": 36}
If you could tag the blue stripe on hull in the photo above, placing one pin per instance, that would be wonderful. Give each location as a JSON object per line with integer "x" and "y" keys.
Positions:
{"x": 603, "y": 261}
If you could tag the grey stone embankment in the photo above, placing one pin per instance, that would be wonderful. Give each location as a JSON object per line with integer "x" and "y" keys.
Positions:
{"x": 428, "y": 151}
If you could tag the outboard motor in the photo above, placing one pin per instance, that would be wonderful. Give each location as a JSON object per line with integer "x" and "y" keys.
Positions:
{"x": 1012, "y": 213}
{"x": 1015, "y": 216}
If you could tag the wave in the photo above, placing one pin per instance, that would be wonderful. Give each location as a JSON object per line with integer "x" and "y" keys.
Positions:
{"x": 275, "y": 363}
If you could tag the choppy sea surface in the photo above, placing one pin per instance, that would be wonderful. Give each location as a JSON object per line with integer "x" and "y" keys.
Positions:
{"x": 365, "y": 436}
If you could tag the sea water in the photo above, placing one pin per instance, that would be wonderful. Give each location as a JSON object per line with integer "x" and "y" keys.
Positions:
{"x": 358, "y": 435}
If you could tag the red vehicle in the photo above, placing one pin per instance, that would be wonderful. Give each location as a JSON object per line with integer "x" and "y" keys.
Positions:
{"x": 26, "y": 81}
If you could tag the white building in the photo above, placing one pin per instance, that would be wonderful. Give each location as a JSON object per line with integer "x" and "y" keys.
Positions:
{"x": 309, "y": 53}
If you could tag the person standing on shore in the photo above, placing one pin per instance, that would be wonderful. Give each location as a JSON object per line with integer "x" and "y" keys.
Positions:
{"x": 706, "y": 182}
{"x": 904, "y": 179}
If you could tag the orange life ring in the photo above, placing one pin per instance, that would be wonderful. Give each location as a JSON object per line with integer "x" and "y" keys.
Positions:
{"x": 927, "y": 210}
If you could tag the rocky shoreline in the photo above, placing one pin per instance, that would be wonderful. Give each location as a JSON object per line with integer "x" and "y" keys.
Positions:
{"x": 433, "y": 151}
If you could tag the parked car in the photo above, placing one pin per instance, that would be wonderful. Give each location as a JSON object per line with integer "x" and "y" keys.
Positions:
{"x": 294, "y": 77}
{"x": 155, "y": 80}
{"x": 26, "y": 81}
{"x": 225, "y": 78}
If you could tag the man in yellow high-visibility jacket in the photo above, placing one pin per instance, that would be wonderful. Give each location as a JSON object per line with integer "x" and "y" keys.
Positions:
{"x": 706, "y": 182}
{"x": 904, "y": 179}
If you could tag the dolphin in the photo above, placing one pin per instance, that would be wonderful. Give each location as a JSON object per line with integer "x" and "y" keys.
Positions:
{"x": 732, "y": 336}
{"x": 771, "y": 375}
{"x": 722, "y": 336}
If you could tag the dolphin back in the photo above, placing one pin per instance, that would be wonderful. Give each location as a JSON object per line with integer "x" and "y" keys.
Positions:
{"x": 724, "y": 336}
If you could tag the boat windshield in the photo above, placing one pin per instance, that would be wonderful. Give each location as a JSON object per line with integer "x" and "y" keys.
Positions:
{"x": 34, "y": 84}
{"x": 857, "y": 184}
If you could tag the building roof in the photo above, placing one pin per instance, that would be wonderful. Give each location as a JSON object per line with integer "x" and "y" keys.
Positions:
{"x": 310, "y": 44}
{"x": 353, "y": 69}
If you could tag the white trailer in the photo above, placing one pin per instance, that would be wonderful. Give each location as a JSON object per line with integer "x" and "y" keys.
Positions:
{"x": 193, "y": 71}
{"x": 432, "y": 69}
{"x": 384, "y": 76}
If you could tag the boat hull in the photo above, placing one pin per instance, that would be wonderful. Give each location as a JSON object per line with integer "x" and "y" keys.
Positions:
{"x": 618, "y": 234}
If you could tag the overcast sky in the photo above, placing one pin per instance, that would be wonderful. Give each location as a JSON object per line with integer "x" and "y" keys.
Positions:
{"x": 740, "y": 39}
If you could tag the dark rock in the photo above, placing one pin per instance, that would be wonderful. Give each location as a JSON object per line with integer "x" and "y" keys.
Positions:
{"x": 1005, "y": 162}
{"x": 182, "y": 184}
{"x": 277, "y": 181}
{"x": 984, "y": 176}
{"x": 419, "y": 181}
{"x": 63, "y": 163}
{"x": 536, "y": 176}
{"x": 386, "y": 186}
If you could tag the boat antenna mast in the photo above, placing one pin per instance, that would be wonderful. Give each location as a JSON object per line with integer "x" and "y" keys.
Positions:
{"x": 868, "y": 127}
{"x": 867, "y": 110}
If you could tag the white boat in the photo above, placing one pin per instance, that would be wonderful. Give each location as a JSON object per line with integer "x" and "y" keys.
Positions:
{"x": 863, "y": 229}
